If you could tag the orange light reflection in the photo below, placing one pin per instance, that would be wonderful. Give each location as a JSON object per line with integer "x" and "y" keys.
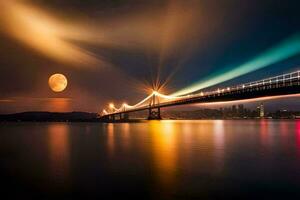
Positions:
{"x": 163, "y": 134}
{"x": 219, "y": 137}
{"x": 264, "y": 130}
{"x": 111, "y": 139}
{"x": 59, "y": 150}
{"x": 298, "y": 136}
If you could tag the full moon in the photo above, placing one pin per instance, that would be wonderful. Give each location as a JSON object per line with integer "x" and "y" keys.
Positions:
{"x": 58, "y": 82}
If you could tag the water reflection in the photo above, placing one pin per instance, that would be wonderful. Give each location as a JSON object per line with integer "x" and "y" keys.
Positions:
{"x": 110, "y": 139}
{"x": 157, "y": 159}
{"x": 59, "y": 151}
{"x": 297, "y": 131}
{"x": 205, "y": 130}
{"x": 125, "y": 134}
{"x": 205, "y": 140}
{"x": 264, "y": 129}
{"x": 163, "y": 134}
{"x": 283, "y": 128}
{"x": 284, "y": 132}
{"x": 219, "y": 131}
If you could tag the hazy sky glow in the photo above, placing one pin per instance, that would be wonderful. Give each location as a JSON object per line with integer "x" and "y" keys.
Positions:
{"x": 120, "y": 50}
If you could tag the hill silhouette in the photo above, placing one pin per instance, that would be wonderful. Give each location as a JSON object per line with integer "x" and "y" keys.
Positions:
{"x": 50, "y": 116}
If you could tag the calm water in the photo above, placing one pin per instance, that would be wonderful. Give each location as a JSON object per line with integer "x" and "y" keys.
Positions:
{"x": 151, "y": 160}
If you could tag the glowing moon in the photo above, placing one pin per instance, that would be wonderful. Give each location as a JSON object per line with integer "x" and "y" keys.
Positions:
{"x": 58, "y": 82}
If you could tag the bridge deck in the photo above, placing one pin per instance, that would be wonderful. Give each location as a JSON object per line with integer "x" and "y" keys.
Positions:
{"x": 280, "y": 85}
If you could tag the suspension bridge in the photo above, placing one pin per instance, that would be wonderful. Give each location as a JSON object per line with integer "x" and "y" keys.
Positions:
{"x": 285, "y": 84}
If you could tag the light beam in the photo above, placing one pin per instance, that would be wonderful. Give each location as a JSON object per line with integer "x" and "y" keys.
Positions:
{"x": 280, "y": 52}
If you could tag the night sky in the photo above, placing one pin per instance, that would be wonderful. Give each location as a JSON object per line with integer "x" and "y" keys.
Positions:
{"x": 118, "y": 50}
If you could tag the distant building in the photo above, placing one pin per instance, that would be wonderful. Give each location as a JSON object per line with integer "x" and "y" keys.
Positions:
{"x": 261, "y": 110}
{"x": 241, "y": 110}
{"x": 234, "y": 110}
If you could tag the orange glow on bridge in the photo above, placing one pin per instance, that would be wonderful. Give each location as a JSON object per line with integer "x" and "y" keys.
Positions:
{"x": 251, "y": 100}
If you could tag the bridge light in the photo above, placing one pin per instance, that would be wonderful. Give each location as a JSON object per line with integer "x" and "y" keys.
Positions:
{"x": 104, "y": 112}
{"x": 155, "y": 92}
{"x": 228, "y": 89}
{"x": 243, "y": 86}
{"x": 201, "y": 94}
{"x": 111, "y": 105}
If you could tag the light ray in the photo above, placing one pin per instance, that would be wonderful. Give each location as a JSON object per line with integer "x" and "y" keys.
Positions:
{"x": 41, "y": 32}
{"x": 284, "y": 50}
{"x": 58, "y": 39}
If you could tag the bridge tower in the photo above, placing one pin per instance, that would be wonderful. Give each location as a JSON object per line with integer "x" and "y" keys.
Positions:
{"x": 154, "y": 113}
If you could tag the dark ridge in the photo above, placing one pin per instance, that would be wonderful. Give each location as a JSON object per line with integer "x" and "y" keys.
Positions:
{"x": 49, "y": 117}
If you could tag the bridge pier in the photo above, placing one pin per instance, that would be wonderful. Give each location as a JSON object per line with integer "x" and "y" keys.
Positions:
{"x": 154, "y": 114}
{"x": 119, "y": 117}
{"x": 124, "y": 116}
{"x": 104, "y": 118}
{"x": 112, "y": 118}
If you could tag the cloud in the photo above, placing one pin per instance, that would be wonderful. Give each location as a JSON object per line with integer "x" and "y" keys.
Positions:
{"x": 42, "y": 32}
{"x": 160, "y": 30}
